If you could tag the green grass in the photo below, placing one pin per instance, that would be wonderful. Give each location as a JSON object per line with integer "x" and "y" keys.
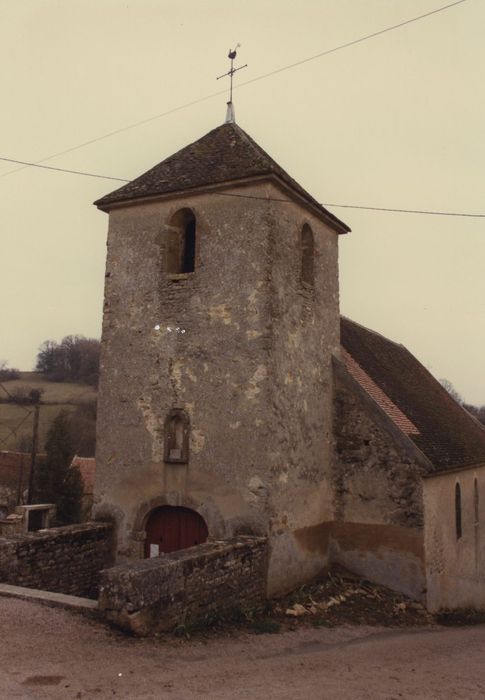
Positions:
{"x": 56, "y": 396}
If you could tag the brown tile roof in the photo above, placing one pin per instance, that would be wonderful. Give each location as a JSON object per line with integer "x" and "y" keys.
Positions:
{"x": 87, "y": 468}
{"x": 446, "y": 433}
{"x": 394, "y": 413}
{"x": 225, "y": 154}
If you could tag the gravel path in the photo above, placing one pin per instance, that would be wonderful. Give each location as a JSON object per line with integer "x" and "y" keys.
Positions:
{"x": 52, "y": 653}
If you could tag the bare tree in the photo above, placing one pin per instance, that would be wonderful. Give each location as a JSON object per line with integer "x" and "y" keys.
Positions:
{"x": 74, "y": 359}
{"x": 446, "y": 384}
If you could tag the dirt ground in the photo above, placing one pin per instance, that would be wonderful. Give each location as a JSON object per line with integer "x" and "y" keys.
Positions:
{"x": 53, "y": 653}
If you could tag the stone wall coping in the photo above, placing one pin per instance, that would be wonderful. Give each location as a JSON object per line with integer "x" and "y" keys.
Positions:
{"x": 36, "y": 506}
{"x": 54, "y": 532}
{"x": 207, "y": 551}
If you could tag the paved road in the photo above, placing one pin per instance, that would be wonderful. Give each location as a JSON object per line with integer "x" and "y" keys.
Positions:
{"x": 52, "y": 653}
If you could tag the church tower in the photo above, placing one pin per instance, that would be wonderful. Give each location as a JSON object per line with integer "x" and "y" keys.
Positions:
{"x": 220, "y": 320}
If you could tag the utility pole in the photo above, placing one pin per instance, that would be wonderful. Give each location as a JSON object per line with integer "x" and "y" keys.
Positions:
{"x": 20, "y": 483}
{"x": 35, "y": 396}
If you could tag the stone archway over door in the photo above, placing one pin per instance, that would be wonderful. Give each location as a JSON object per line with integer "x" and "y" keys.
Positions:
{"x": 171, "y": 528}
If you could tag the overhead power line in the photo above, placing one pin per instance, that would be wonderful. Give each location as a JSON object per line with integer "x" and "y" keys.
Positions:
{"x": 12, "y": 399}
{"x": 321, "y": 54}
{"x": 13, "y": 431}
{"x": 408, "y": 211}
{"x": 360, "y": 206}
{"x": 269, "y": 199}
{"x": 61, "y": 170}
{"x": 351, "y": 43}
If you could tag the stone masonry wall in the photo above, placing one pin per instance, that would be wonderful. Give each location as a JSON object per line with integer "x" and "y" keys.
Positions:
{"x": 186, "y": 586}
{"x": 64, "y": 559}
{"x": 378, "y": 499}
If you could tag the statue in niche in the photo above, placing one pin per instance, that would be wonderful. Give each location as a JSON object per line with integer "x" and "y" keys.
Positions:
{"x": 176, "y": 433}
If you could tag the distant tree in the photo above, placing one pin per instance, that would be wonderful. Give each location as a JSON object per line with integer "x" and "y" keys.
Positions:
{"x": 45, "y": 357}
{"x": 477, "y": 412}
{"x": 7, "y": 373}
{"x": 446, "y": 384}
{"x": 74, "y": 359}
{"x": 82, "y": 428}
{"x": 89, "y": 351}
{"x": 55, "y": 481}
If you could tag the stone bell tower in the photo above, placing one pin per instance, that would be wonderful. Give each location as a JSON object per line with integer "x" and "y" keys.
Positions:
{"x": 221, "y": 315}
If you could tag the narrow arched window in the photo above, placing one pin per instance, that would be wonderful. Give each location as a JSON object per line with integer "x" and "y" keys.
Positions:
{"x": 176, "y": 436}
{"x": 476, "y": 502}
{"x": 458, "y": 511}
{"x": 180, "y": 245}
{"x": 307, "y": 257}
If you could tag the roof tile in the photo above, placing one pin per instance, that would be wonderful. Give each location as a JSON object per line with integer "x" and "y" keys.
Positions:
{"x": 225, "y": 154}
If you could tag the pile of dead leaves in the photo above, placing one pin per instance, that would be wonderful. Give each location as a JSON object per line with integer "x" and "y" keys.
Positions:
{"x": 342, "y": 598}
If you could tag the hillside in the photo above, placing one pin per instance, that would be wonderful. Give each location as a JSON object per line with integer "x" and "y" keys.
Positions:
{"x": 16, "y": 421}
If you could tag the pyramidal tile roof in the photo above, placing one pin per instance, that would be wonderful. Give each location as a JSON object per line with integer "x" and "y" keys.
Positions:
{"x": 225, "y": 154}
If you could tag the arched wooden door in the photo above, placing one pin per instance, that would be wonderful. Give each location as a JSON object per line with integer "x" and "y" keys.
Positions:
{"x": 170, "y": 528}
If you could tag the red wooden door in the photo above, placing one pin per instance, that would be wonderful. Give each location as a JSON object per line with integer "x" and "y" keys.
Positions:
{"x": 171, "y": 528}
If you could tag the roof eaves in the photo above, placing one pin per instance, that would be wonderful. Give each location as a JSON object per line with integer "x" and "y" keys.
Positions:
{"x": 298, "y": 193}
{"x": 450, "y": 470}
{"x": 318, "y": 208}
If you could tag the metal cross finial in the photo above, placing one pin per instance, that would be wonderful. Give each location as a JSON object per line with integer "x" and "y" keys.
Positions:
{"x": 230, "y": 73}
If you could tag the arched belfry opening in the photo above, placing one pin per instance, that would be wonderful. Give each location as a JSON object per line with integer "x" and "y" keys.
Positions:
{"x": 170, "y": 528}
{"x": 307, "y": 257}
{"x": 181, "y": 242}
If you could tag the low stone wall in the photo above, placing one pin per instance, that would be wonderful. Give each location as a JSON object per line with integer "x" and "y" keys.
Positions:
{"x": 64, "y": 559}
{"x": 186, "y": 586}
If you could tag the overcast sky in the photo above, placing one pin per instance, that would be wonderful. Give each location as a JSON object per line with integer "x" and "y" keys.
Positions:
{"x": 395, "y": 121}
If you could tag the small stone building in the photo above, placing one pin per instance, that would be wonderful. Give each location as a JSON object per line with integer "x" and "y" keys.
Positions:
{"x": 233, "y": 399}
{"x": 454, "y": 545}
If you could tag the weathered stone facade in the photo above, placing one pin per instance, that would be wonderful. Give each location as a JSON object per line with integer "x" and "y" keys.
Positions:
{"x": 244, "y": 349}
{"x": 64, "y": 560}
{"x": 378, "y": 492}
{"x": 185, "y": 587}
